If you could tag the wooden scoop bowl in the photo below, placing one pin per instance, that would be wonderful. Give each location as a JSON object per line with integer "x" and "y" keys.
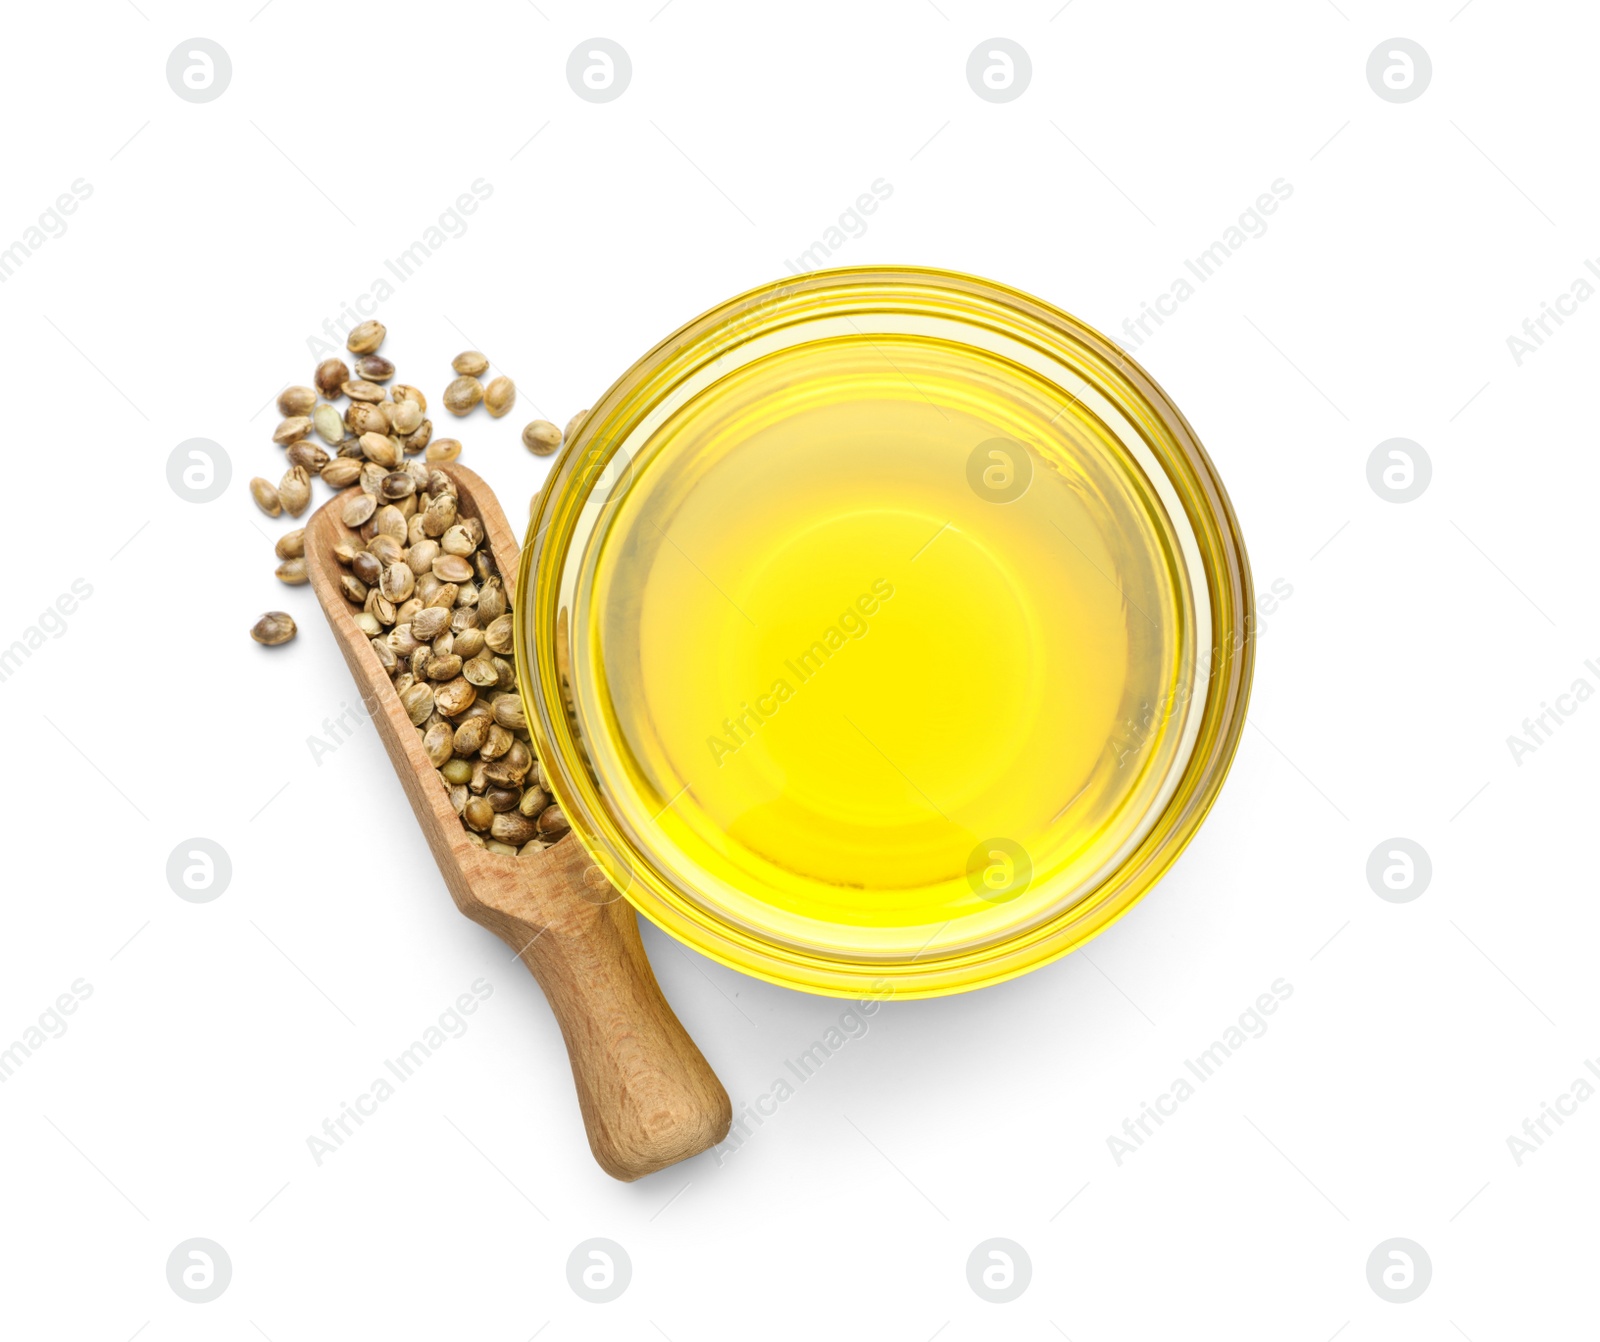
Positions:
{"x": 648, "y": 1097}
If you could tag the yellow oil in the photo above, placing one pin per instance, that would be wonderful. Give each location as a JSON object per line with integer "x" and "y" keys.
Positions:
{"x": 851, "y": 692}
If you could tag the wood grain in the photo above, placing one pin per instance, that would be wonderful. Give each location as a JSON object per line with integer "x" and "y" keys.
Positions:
{"x": 648, "y": 1096}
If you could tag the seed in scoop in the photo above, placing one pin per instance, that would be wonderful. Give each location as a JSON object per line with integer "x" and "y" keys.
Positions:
{"x": 358, "y": 509}
{"x": 439, "y": 515}
{"x": 419, "y": 437}
{"x": 455, "y": 696}
{"x": 395, "y": 486}
{"x": 513, "y": 828}
{"x": 397, "y": 582}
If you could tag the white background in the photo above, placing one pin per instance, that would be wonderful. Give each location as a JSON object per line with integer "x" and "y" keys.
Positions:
{"x": 218, "y": 1036}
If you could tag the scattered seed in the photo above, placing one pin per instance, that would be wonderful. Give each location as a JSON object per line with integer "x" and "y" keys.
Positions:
{"x": 469, "y": 363}
{"x": 294, "y": 490}
{"x": 308, "y": 455}
{"x": 419, "y": 437}
{"x": 342, "y": 472}
{"x": 266, "y": 497}
{"x": 296, "y": 401}
{"x": 292, "y": 430}
{"x": 293, "y": 571}
{"x": 573, "y": 425}
{"x": 364, "y": 417}
{"x": 541, "y": 437}
{"x": 403, "y": 417}
{"x": 462, "y": 394}
{"x": 273, "y": 628}
{"x": 499, "y": 396}
{"x": 291, "y": 545}
{"x": 374, "y": 368}
{"x": 330, "y": 377}
{"x": 443, "y": 449}
{"x": 366, "y": 338}
{"x": 329, "y": 424}
{"x": 359, "y": 390}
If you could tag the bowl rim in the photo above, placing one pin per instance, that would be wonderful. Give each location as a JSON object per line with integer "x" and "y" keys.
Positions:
{"x": 1226, "y": 678}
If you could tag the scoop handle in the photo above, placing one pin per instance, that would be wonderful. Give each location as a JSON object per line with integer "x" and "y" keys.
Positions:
{"x": 648, "y": 1096}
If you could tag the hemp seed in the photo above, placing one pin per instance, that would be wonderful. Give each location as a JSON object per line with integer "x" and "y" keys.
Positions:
{"x": 273, "y": 629}
{"x": 499, "y": 396}
{"x": 365, "y": 338}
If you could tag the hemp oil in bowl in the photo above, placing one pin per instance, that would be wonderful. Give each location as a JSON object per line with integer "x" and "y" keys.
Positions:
{"x": 892, "y": 628}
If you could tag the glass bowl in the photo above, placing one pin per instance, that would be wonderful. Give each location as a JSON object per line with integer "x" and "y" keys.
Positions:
{"x": 890, "y": 632}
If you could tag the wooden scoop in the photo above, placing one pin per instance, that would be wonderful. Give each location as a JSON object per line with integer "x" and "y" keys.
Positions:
{"x": 648, "y": 1097}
